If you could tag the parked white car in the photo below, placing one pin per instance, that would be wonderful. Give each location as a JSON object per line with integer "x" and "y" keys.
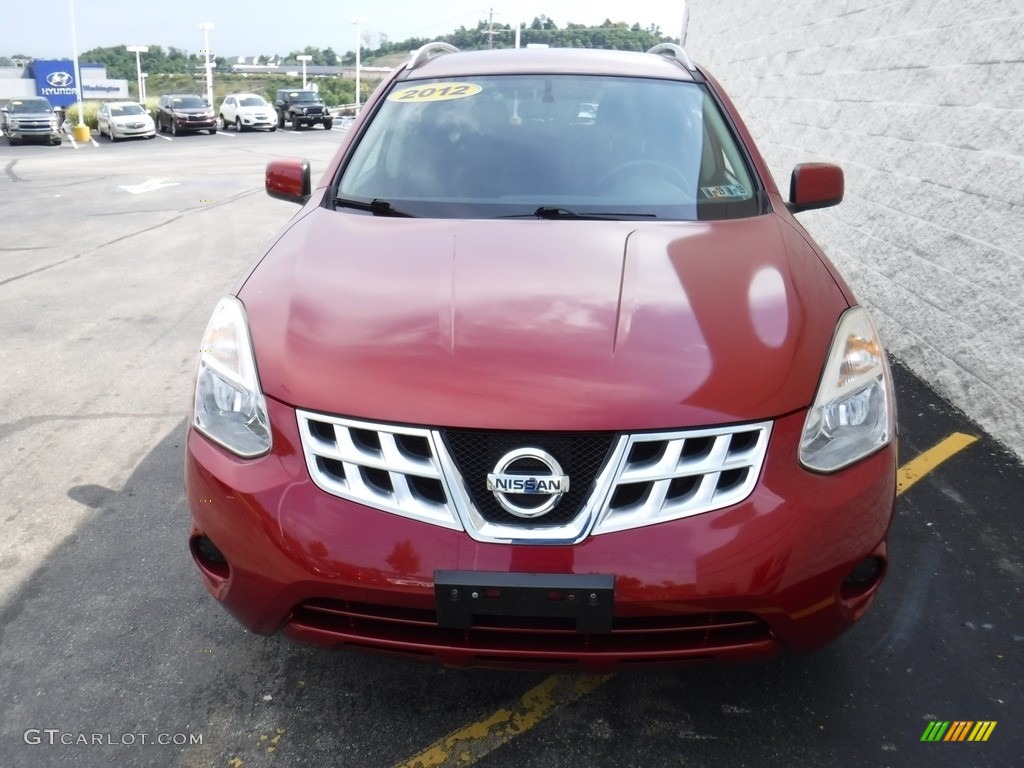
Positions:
{"x": 245, "y": 111}
{"x": 123, "y": 120}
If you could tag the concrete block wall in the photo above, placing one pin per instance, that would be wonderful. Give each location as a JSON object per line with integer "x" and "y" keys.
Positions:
{"x": 922, "y": 104}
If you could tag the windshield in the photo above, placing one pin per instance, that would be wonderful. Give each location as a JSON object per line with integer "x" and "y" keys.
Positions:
{"x": 30, "y": 106}
{"x": 252, "y": 101}
{"x": 512, "y": 145}
{"x": 126, "y": 109}
{"x": 303, "y": 96}
{"x": 187, "y": 102}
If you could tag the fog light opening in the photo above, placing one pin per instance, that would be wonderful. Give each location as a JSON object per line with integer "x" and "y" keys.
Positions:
{"x": 865, "y": 575}
{"x": 209, "y": 558}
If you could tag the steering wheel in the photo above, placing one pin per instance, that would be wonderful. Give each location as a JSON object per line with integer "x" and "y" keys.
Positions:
{"x": 632, "y": 168}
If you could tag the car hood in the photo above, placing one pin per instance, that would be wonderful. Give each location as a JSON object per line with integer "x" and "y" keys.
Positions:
{"x": 575, "y": 325}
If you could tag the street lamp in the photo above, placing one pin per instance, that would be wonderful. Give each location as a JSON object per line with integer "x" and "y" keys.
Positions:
{"x": 80, "y": 131}
{"x": 142, "y": 98}
{"x": 206, "y": 26}
{"x": 137, "y": 49}
{"x": 358, "y": 21}
{"x": 304, "y": 57}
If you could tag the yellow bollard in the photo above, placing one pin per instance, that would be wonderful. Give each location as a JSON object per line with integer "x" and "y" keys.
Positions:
{"x": 81, "y": 133}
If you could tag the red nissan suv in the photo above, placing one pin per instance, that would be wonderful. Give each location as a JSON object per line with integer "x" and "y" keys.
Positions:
{"x": 544, "y": 373}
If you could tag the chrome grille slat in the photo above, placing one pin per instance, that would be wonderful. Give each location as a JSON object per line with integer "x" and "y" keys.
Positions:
{"x": 675, "y": 475}
{"x": 708, "y": 468}
{"x": 357, "y": 460}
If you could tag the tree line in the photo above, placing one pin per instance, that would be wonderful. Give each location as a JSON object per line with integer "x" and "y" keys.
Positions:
{"x": 120, "y": 62}
{"x": 542, "y": 31}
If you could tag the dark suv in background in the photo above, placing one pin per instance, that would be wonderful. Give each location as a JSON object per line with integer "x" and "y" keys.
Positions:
{"x": 301, "y": 108}
{"x": 184, "y": 113}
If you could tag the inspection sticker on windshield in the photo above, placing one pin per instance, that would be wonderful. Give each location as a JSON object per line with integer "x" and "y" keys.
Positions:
{"x": 435, "y": 92}
{"x": 729, "y": 190}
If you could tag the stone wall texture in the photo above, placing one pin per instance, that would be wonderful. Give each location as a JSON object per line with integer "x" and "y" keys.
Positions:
{"x": 922, "y": 104}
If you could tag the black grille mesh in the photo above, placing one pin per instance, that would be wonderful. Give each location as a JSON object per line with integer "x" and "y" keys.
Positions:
{"x": 581, "y": 456}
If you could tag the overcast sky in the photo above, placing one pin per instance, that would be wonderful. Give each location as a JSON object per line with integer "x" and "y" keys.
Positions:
{"x": 251, "y": 27}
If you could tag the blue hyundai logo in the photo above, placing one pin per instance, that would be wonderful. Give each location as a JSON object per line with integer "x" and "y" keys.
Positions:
{"x": 59, "y": 79}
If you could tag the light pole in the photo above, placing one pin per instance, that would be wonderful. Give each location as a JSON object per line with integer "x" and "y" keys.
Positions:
{"x": 304, "y": 57}
{"x": 143, "y": 76}
{"x": 80, "y": 131}
{"x": 206, "y": 26}
{"x": 137, "y": 49}
{"x": 358, "y": 21}
{"x": 519, "y": 23}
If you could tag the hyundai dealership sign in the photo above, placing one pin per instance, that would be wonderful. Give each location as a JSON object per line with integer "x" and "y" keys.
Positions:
{"x": 55, "y": 79}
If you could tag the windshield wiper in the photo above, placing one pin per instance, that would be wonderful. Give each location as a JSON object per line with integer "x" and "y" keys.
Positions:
{"x": 554, "y": 212}
{"x": 376, "y": 206}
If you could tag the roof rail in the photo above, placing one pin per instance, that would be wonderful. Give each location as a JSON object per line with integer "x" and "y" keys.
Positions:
{"x": 673, "y": 51}
{"x": 424, "y": 53}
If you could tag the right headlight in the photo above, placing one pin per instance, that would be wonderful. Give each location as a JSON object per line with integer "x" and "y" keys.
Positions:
{"x": 853, "y": 414}
{"x": 229, "y": 406}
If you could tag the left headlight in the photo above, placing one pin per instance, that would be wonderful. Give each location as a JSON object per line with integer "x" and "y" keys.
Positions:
{"x": 853, "y": 414}
{"x": 229, "y": 406}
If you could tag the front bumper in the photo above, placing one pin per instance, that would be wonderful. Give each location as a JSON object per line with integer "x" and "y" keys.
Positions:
{"x": 738, "y": 584}
{"x": 51, "y": 135}
{"x": 255, "y": 121}
{"x": 185, "y": 124}
{"x": 127, "y": 132}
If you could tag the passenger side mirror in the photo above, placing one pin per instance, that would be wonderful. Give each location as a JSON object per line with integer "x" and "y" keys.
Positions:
{"x": 815, "y": 185}
{"x": 288, "y": 179}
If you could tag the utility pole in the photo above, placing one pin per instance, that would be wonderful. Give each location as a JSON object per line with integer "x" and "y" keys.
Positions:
{"x": 490, "y": 29}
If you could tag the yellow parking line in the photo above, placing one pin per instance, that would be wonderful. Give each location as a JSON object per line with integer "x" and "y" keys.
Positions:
{"x": 914, "y": 470}
{"x": 467, "y": 745}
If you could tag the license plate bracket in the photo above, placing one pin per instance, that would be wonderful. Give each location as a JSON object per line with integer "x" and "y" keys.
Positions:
{"x": 586, "y": 599}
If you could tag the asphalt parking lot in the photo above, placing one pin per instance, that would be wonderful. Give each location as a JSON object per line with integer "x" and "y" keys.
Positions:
{"x": 112, "y": 653}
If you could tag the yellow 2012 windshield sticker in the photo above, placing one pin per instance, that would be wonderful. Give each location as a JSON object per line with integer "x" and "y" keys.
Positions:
{"x": 417, "y": 94}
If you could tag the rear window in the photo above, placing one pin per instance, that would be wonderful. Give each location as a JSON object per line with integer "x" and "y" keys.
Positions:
{"x": 507, "y": 145}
